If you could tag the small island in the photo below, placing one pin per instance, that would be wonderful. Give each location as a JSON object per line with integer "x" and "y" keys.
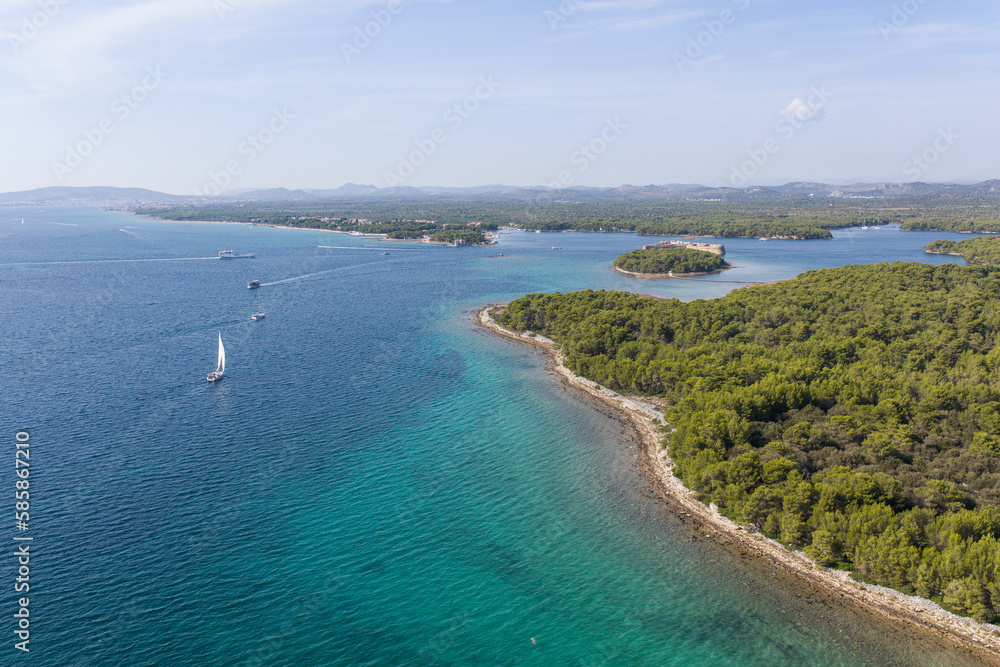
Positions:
{"x": 669, "y": 262}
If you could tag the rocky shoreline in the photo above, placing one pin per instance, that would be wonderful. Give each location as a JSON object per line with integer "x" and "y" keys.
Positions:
{"x": 982, "y": 640}
{"x": 633, "y": 274}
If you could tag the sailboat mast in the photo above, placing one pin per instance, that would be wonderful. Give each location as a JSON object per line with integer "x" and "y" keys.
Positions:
{"x": 222, "y": 356}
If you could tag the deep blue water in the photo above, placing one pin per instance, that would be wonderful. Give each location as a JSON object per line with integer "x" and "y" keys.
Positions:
{"x": 375, "y": 481}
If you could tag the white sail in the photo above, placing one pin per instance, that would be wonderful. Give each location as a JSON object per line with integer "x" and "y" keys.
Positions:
{"x": 222, "y": 356}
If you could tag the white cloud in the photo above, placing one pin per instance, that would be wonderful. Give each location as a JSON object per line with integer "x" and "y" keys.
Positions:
{"x": 803, "y": 112}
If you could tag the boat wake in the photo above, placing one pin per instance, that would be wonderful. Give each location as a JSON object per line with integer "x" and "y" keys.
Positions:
{"x": 298, "y": 278}
{"x": 346, "y": 247}
{"x": 109, "y": 261}
{"x": 340, "y": 269}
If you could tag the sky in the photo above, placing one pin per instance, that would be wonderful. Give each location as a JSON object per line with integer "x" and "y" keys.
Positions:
{"x": 209, "y": 96}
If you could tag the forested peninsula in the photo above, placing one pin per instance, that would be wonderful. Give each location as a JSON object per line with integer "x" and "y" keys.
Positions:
{"x": 733, "y": 226}
{"x": 982, "y": 250}
{"x": 851, "y": 412}
{"x": 663, "y": 261}
{"x": 706, "y": 213}
{"x": 969, "y": 222}
{"x": 659, "y": 219}
{"x": 471, "y": 233}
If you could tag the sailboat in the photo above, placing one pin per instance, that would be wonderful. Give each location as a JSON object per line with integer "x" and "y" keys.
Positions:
{"x": 221, "y": 368}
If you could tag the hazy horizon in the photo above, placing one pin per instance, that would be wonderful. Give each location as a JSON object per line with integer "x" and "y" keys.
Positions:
{"x": 207, "y": 96}
{"x": 233, "y": 192}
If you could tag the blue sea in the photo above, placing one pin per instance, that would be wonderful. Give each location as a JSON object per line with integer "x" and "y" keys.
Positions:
{"x": 375, "y": 481}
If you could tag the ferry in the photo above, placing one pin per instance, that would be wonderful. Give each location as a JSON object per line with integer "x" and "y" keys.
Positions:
{"x": 229, "y": 254}
{"x": 253, "y": 283}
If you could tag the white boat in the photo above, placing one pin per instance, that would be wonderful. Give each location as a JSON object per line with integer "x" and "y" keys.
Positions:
{"x": 220, "y": 369}
{"x": 257, "y": 316}
{"x": 762, "y": 238}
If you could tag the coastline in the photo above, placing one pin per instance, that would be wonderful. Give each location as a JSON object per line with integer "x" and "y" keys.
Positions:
{"x": 264, "y": 224}
{"x": 381, "y": 237}
{"x": 953, "y": 254}
{"x": 646, "y": 422}
{"x": 632, "y": 274}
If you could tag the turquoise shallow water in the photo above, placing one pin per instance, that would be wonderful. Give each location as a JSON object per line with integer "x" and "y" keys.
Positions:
{"x": 376, "y": 481}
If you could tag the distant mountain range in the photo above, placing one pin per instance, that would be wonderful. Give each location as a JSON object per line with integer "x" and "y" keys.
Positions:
{"x": 130, "y": 197}
{"x": 100, "y": 196}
